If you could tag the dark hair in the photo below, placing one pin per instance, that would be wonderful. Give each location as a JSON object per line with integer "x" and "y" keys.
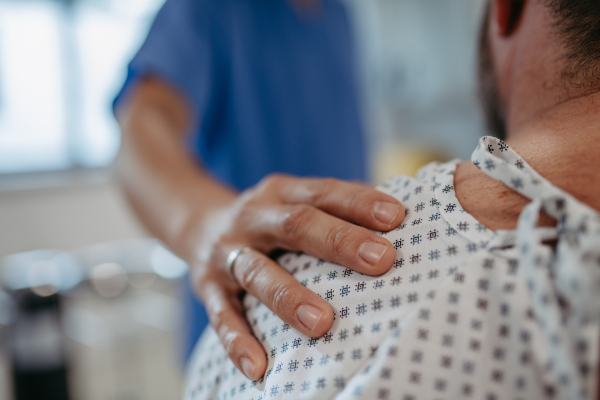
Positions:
{"x": 489, "y": 96}
{"x": 578, "y": 23}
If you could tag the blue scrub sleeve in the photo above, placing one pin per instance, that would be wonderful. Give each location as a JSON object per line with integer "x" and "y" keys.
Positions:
{"x": 178, "y": 50}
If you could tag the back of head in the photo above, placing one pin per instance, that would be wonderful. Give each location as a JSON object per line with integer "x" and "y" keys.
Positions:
{"x": 575, "y": 53}
{"x": 577, "y": 22}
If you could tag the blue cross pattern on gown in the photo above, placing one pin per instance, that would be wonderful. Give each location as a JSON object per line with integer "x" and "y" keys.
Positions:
{"x": 464, "y": 312}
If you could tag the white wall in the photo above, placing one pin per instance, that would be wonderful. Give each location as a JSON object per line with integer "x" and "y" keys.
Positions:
{"x": 419, "y": 70}
{"x": 64, "y": 217}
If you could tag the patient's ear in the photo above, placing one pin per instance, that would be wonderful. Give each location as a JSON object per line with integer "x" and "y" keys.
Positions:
{"x": 507, "y": 14}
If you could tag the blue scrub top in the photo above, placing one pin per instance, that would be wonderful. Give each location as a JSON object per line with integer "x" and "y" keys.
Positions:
{"x": 272, "y": 89}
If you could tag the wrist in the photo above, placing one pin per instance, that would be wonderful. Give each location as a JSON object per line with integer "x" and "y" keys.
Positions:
{"x": 203, "y": 227}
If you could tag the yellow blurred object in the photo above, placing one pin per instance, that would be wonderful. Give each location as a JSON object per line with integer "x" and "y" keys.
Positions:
{"x": 404, "y": 159}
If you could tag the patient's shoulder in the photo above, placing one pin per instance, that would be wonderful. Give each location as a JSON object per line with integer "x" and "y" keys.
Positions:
{"x": 422, "y": 209}
{"x": 425, "y": 175}
{"x": 407, "y": 188}
{"x": 417, "y": 193}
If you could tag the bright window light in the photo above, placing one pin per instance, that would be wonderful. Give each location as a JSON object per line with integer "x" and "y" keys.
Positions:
{"x": 61, "y": 64}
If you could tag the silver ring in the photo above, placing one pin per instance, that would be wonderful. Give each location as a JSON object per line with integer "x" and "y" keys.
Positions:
{"x": 233, "y": 255}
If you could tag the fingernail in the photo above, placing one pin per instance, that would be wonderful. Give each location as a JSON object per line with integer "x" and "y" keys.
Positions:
{"x": 248, "y": 367}
{"x": 309, "y": 316}
{"x": 371, "y": 252}
{"x": 386, "y": 212}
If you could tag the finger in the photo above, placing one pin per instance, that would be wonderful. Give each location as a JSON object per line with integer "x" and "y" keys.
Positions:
{"x": 306, "y": 228}
{"x": 225, "y": 313}
{"x": 296, "y": 305}
{"x": 352, "y": 202}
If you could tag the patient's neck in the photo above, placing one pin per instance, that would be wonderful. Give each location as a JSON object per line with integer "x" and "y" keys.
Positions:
{"x": 562, "y": 144}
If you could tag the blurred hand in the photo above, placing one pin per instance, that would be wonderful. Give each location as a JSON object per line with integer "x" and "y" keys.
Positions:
{"x": 316, "y": 216}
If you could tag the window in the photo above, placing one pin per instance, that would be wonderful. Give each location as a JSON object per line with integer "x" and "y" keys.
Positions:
{"x": 61, "y": 64}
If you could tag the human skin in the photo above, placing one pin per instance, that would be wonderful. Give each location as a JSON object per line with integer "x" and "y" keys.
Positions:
{"x": 203, "y": 220}
{"x": 552, "y": 123}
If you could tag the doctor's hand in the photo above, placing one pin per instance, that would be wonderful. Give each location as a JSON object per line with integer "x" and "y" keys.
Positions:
{"x": 203, "y": 221}
{"x": 326, "y": 218}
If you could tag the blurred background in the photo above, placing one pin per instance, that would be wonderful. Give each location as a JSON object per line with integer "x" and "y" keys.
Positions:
{"x": 87, "y": 301}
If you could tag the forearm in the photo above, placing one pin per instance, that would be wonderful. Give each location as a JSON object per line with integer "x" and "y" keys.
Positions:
{"x": 203, "y": 222}
{"x": 167, "y": 189}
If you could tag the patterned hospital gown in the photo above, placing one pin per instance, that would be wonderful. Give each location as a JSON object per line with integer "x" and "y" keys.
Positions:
{"x": 465, "y": 312}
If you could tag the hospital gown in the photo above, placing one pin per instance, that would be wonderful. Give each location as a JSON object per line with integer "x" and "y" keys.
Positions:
{"x": 465, "y": 312}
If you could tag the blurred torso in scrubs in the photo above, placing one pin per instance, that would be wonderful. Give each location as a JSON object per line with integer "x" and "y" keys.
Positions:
{"x": 272, "y": 88}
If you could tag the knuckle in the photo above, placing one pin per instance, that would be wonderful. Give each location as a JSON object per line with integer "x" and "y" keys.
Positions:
{"x": 232, "y": 342}
{"x": 285, "y": 297}
{"x": 272, "y": 181}
{"x": 339, "y": 239}
{"x": 218, "y": 320}
{"x": 322, "y": 190}
{"x": 293, "y": 221}
{"x": 248, "y": 270}
{"x": 356, "y": 199}
{"x": 247, "y": 211}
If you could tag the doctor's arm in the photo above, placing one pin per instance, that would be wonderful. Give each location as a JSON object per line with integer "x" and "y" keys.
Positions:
{"x": 203, "y": 220}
